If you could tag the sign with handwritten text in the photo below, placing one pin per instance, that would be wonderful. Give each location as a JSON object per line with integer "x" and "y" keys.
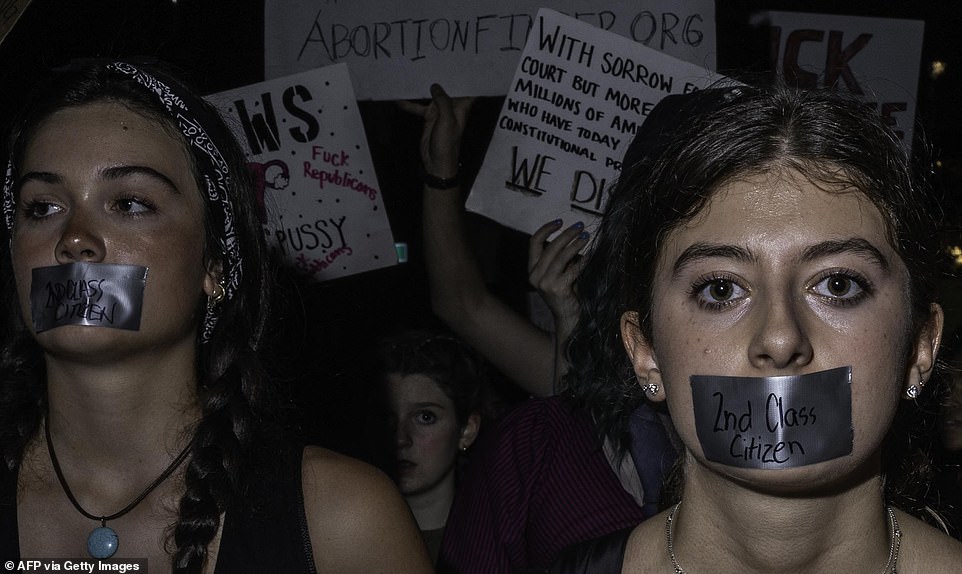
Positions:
{"x": 576, "y": 99}
{"x": 874, "y": 58}
{"x": 396, "y": 50}
{"x": 312, "y": 170}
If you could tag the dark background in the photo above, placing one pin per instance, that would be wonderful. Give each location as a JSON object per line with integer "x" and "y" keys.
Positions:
{"x": 330, "y": 328}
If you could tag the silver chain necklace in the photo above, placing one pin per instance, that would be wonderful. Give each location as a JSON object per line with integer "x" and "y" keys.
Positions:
{"x": 895, "y": 537}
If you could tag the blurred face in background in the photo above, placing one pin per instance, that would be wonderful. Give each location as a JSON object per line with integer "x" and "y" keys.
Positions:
{"x": 427, "y": 432}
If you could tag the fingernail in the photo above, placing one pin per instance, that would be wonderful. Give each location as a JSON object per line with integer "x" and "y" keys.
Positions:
{"x": 578, "y": 225}
{"x": 584, "y": 235}
{"x": 556, "y": 223}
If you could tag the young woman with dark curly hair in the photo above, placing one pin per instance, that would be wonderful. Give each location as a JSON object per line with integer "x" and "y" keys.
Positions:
{"x": 766, "y": 270}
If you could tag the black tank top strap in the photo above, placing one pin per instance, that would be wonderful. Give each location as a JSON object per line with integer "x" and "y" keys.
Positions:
{"x": 268, "y": 532}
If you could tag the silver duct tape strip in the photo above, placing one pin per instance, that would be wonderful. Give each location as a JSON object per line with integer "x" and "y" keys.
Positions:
{"x": 774, "y": 422}
{"x": 91, "y": 294}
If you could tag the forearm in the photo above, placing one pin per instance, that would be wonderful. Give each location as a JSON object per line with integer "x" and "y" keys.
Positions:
{"x": 456, "y": 285}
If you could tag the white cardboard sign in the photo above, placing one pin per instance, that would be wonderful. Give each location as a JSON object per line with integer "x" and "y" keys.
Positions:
{"x": 397, "y": 49}
{"x": 575, "y": 102}
{"x": 311, "y": 164}
{"x": 875, "y": 58}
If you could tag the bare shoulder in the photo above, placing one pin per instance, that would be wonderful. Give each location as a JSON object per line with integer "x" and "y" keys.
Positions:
{"x": 646, "y": 547}
{"x": 927, "y": 549}
{"x": 352, "y": 506}
{"x": 327, "y": 470}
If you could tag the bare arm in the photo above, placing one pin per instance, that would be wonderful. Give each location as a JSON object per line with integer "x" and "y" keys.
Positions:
{"x": 459, "y": 295}
{"x": 357, "y": 520}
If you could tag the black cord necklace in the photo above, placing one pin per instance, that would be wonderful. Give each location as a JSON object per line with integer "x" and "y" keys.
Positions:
{"x": 102, "y": 542}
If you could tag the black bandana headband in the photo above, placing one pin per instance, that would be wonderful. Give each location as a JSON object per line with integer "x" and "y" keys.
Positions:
{"x": 189, "y": 113}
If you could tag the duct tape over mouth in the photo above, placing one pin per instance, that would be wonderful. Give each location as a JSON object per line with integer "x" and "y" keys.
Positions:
{"x": 91, "y": 294}
{"x": 774, "y": 422}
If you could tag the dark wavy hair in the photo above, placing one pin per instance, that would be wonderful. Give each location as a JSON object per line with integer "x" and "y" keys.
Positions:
{"x": 457, "y": 369}
{"x": 235, "y": 396}
{"x": 687, "y": 149}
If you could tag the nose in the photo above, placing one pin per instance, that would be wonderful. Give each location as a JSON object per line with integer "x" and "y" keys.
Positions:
{"x": 403, "y": 435}
{"x": 780, "y": 340}
{"x": 80, "y": 240}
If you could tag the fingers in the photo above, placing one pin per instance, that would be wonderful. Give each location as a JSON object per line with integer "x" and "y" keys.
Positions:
{"x": 554, "y": 266}
{"x": 459, "y": 108}
{"x": 451, "y": 109}
{"x": 462, "y": 106}
{"x": 444, "y": 140}
{"x": 446, "y": 115}
{"x": 440, "y": 96}
{"x": 415, "y": 108}
{"x": 553, "y": 260}
{"x": 444, "y": 121}
{"x": 538, "y": 241}
{"x": 446, "y": 106}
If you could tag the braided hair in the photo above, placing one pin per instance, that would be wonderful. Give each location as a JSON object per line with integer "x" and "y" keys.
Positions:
{"x": 234, "y": 395}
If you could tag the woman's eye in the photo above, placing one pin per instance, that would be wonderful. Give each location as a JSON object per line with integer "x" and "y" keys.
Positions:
{"x": 721, "y": 290}
{"x": 426, "y": 417}
{"x": 133, "y": 205}
{"x": 839, "y": 286}
{"x": 40, "y": 209}
{"x": 718, "y": 292}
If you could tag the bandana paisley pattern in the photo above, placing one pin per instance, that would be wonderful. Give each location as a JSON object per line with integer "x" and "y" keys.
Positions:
{"x": 211, "y": 163}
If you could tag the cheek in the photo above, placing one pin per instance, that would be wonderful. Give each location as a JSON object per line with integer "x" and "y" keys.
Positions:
{"x": 183, "y": 280}
{"x": 23, "y": 278}
{"x": 25, "y": 254}
{"x": 437, "y": 442}
{"x": 872, "y": 414}
{"x": 176, "y": 273}
{"x": 878, "y": 378}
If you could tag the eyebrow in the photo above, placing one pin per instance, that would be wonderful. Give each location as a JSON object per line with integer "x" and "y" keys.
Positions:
{"x": 41, "y": 176}
{"x": 854, "y": 245}
{"x": 110, "y": 173}
{"x": 122, "y": 171}
{"x": 701, "y": 250}
{"x": 423, "y": 404}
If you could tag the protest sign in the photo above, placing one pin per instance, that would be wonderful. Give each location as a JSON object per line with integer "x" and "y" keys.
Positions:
{"x": 397, "y": 49}
{"x": 576, "y": 100}
{"x": 312, "y": 169}
{"x": 874, "y": 58}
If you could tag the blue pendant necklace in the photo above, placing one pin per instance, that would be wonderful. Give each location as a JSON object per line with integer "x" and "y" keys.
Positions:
{"x": 103, "y": 540}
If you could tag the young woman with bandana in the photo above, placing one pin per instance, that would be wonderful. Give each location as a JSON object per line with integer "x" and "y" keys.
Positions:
{"x": 136, "y": 420}
{"x": 766, "y": 270}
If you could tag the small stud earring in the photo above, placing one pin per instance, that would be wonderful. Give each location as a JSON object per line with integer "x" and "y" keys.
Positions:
{"x": 216, "y": 297}
{"x": 651, "y": 389}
